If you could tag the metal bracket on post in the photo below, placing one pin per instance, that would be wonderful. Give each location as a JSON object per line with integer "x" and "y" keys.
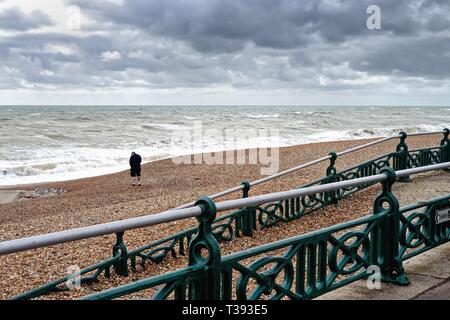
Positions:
{"x": 387, "y": 237}
{"x": 401, "y": 161}
{"x": 445, "y": 148}
{"x": 331, "y": 196}
{"x": 119, "y": 249}
{"x": 204, "y": 249}
{"x": 248, "y": 219}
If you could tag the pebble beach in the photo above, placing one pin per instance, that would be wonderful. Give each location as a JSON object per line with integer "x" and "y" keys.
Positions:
{"x": 165, "y": 185}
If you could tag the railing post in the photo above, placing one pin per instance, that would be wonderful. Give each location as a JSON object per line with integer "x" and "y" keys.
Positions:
{"x": 248, "y": 219}
{"x": 204, "y": 249}
{"x": 331, "y": 196}
{"x": 245, "y": 189}
{"x": 445, "y": 148}
{"x": 387, "y": 235}
{"x": 120, "y": 249}
{"x": 401, "y": 159}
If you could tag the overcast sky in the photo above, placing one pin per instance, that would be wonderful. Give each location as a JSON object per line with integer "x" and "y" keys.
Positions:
{"x": 304, "y": 52}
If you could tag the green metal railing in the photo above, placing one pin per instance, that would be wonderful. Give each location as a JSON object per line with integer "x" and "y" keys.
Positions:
{"x": 243, "y": 221}
{"x": 397, "y": 233}
{"x": 305, "y": 266}
{"x": 419, "y": 229}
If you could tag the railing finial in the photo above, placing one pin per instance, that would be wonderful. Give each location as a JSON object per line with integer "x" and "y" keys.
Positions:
{"x": 403, "y": 135}
{"x": 446, "y": 132}
{"x": 246, "y": 188}
{"x": 331, "y": 168}
{"x": 247, "y": 222}
{"x": 401, "y": 157}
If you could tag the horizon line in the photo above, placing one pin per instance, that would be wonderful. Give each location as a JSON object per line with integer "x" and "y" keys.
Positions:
{"x": 219, "y": 105}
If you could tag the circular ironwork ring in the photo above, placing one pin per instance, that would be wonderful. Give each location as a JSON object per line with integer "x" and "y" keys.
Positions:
{"x": 349, "y": 252}
{"x": 266, "y": 281}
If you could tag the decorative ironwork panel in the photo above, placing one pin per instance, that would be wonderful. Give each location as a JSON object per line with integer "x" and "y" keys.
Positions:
{"x": 303, "y": 267}
{"x": 424, "y": 157}
{"x": 419, "y": 228}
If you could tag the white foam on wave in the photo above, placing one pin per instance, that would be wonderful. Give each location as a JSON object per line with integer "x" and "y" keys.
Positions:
{"x": 169, "y": 126}
{"x": 67, "y": 164}
{"x": 352, "y": 134}
{"x": 10, "y": 180}
{"x": 262, "y": 116}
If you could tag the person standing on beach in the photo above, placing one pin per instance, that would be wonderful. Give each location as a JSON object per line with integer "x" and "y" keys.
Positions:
{"x": 135, "y": 164}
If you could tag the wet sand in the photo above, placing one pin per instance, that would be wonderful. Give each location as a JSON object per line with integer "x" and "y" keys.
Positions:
{"x": 7, "y": 196}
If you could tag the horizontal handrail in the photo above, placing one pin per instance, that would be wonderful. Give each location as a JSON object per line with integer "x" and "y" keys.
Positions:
{"x": 421, "y": 204}
{"x": 303, "y": 166}
{"x": 424, "y": 133}
{"x": 11, "y": 246}
{"x": 38, "y": 241}
{"x": 283, "y": 195}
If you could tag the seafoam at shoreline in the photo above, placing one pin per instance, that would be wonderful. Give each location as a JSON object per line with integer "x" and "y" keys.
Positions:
{"x": 32, "y": 180}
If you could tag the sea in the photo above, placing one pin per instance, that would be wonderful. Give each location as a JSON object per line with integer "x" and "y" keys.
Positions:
{"x": 56, "y": 143}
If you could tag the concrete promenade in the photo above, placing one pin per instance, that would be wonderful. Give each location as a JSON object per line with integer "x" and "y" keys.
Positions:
{"x": 429, "y": 274}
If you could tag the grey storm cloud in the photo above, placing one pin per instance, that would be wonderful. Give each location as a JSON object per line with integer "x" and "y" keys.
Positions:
{"x": 243, "y": 44}
{"x": 266, "y": 23}
{"x": 15, "y": 19}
